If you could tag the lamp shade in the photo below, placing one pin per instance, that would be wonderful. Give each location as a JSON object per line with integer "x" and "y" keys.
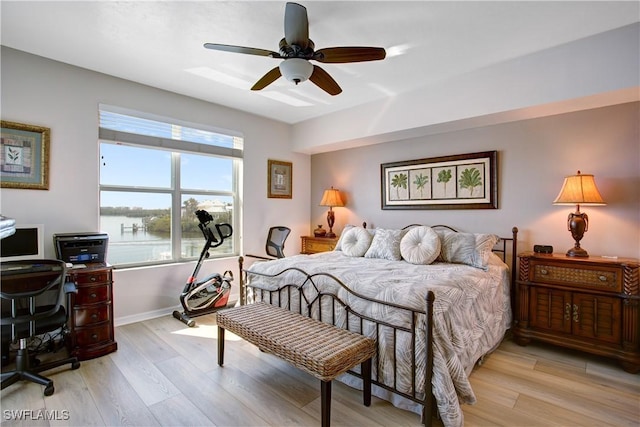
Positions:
{"x": 331, "y": 198}
{"x": 579, "y": 190}
{"x": 296, "y": 69}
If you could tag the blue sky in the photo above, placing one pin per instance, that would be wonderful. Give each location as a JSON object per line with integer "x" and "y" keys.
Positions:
{"x": 145, "y": 167}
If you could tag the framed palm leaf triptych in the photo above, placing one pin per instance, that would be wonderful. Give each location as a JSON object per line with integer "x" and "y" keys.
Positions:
{"x": 464, "y": 181}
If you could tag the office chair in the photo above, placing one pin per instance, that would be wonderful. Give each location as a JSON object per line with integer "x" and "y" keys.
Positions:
{"x": 274, "y": 247}
{"x": 275, "y": 241}
{"x": 32, "y": 296}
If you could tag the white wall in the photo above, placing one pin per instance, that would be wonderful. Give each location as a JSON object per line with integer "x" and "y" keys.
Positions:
{"x": 595, "y": 71}
{"x": 534, "y": 154}
{"x": 533, "y": 157}
{"x": 41, "y": 92}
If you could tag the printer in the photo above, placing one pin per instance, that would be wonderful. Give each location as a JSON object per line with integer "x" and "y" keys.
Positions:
{"x": 80, "y": 248}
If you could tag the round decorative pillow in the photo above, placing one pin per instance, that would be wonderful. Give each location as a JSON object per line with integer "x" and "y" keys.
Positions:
{"x": 344, "y": 232}
{"x": 356, "y": 242}
{"x": 421, "y": 245}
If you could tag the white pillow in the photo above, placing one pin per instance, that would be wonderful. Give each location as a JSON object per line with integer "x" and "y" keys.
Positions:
{"x": 341, "y": 238}
{"x": 385, "y": 245}
{"x": 356, "y": 242}
{"x": 421, "y": 245}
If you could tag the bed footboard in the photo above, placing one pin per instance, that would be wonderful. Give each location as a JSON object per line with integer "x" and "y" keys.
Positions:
{"x": 306, "y": 298}
{"x": 403, "y": 367}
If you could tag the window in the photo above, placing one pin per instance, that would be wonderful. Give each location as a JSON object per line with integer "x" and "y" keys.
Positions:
{"x": 154, "y": 174}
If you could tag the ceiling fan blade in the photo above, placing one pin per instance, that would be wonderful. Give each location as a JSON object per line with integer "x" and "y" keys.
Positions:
{"x": 324, "y": 81}
{"x": 296, "y": 25}
{"x": 340, "y": 55}
{"x": 241, "y": 49}
{"x": 267, "y": 79}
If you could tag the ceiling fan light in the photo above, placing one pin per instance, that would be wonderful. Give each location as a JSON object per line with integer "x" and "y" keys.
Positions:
{"x": 296, "y": 70}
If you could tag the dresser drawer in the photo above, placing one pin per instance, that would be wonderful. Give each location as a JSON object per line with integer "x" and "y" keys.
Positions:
{"x": 92, "y": 315}
{"x": 320, "y": 246}
{"x": 90, "y": 336}
{"x": 92, "y": 277}
{"x": 584, "y": 276}
{"x": 93, "y": 295}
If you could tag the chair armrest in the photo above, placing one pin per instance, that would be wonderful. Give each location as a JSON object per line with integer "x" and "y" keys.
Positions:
{"x": 259, "y": 257}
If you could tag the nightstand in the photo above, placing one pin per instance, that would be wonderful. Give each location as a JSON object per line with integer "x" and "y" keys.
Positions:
{"x": 313, "y": 245}
{"x": 588, "y": 304}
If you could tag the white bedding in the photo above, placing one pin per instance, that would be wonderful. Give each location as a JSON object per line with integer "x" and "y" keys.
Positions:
{"x": 472, "y": 311}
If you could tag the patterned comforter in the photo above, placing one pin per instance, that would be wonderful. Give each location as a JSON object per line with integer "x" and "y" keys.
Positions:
{"x": 471, "y": 313}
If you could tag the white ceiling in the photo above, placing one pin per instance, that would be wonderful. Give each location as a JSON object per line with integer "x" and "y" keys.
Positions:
{"x": 161, "y": 43}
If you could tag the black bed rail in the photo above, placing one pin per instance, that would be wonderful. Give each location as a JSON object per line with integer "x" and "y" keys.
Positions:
{"x": 305, "y": 297}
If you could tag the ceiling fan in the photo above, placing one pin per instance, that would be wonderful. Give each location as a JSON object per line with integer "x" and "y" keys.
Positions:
{"x": 296, "y": 49}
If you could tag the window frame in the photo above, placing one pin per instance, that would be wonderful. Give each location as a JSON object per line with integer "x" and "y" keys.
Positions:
{"x": 176, "y": 192}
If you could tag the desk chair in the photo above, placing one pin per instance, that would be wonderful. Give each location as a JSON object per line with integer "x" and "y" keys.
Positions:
{"x": 274, "y": 246}
{"x": 275, "y": 241}
{"x": 32, "y": 297}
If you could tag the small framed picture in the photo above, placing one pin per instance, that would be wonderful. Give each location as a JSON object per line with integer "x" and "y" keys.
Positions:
{"x": 24, "y": 156}
{"x": 279, "y": 179}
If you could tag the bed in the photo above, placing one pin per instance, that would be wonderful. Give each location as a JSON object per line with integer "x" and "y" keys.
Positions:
{"x": 435, "y": 300}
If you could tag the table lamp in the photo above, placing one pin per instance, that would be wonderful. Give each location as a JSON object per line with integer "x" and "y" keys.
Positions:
{"x": 578, "y": 190}
{"x": 331, "y": 198}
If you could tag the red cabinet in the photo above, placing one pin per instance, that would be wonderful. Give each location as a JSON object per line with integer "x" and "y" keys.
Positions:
{"x": 91, "y": 312}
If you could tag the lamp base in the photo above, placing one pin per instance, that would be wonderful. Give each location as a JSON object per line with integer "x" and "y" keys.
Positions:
{"x": 331, "y": 218}
{"x": 577, "y": 252}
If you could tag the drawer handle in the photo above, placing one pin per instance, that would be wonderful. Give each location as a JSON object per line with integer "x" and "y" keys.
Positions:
{"x": 94, "y": 316}
{"x": 93, "y": 295}
{"x": 567, "y": 311}
{"x": 94, "y": 337}
{"x": 576, "y": 315}
{"x": 93, "y": 278}
{"x": 602, "y": 278}
{"x": 544, "y": 272}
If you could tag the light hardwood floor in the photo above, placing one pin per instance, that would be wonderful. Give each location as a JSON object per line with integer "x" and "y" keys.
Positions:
{"x": 165, "y": 373}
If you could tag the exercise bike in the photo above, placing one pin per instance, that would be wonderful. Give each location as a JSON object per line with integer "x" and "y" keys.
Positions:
{"x": 211, "y": 294}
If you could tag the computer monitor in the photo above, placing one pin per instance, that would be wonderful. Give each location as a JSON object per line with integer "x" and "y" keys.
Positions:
{"x": 26, "y": 243}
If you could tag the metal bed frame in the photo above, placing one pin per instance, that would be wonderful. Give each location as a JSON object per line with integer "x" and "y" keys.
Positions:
{"x": 292, "y": 297}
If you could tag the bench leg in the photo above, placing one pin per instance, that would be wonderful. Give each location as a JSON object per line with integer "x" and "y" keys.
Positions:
{"x": 365, "y": 369}
{"x": 220, "y": 346}
{"x": 325, "y": 402}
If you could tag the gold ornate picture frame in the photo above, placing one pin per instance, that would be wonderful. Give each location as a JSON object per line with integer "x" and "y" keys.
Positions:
{"x": 464, "y": 181}
{"x": 279, "y": 179}
{"x": 24, "y": 156}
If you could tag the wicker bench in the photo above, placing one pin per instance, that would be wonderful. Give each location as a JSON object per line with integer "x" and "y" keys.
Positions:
{"x": 322, "y": 350}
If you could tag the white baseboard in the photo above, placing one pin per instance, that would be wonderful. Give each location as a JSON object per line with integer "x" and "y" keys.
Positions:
{"x": 139, "y": 317}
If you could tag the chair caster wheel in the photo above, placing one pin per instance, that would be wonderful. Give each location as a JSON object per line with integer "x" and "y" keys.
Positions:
{"x": 75, "y": 365}
{"x": 49, "y": 389}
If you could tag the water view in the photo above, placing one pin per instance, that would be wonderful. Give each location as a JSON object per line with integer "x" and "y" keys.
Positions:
{"x": 129, "y": 242}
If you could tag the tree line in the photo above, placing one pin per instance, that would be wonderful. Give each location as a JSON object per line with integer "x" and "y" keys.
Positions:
{"x": 158, "y": 221}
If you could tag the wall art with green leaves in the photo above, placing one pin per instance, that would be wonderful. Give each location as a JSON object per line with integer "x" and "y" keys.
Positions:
{"x": 463, "y": 181}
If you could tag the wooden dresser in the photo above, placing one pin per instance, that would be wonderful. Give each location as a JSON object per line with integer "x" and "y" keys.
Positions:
{"x": 313, "y": 245}
{"x": 91, "y": 312}
{"x": 589, "y": 304}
